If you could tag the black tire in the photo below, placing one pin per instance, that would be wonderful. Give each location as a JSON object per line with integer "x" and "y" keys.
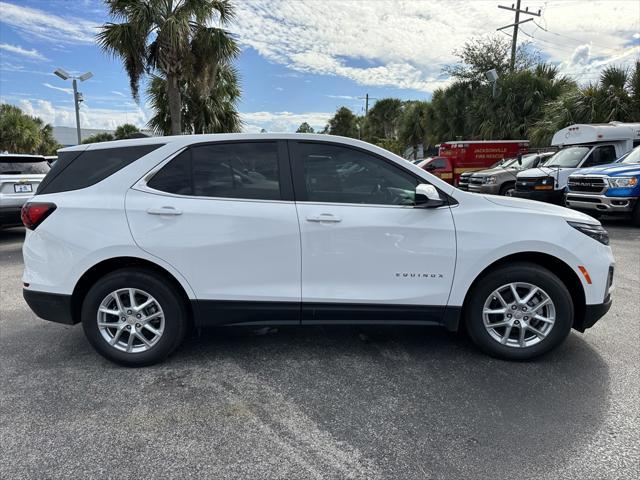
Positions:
{"x": 504, "y": 189}
{"x": 518, "y": 272}
{"x": 635, "y": 215}
{"x": 172, "y": 304}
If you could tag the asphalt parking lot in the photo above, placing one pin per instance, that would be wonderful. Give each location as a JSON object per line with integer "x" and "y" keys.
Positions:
{"x": 298, "y": 403}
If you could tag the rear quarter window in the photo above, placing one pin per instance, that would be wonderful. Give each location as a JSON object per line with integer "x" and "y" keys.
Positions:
{"x": 81, "y": 169}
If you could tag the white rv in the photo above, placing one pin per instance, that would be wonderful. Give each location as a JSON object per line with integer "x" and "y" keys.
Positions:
{"x": 581, "y": 146}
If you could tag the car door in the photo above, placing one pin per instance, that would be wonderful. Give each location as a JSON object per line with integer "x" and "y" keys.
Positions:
{"x": 223, "y": 215}
{"x": 367, "y": 252}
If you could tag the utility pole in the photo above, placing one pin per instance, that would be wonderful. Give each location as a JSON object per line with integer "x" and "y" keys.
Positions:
{"x": 77, "y": 105}
{"x": 366, "y": 99}
{"x": 515, "y": 25}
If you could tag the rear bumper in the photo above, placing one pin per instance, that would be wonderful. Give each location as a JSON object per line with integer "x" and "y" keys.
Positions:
{"x": 592, "y": 314}
{"x": 600, "y": 203}
{"x": 549, "y": 196}
{"x": 10, "y": 215}
{"x": 50, "y": 306}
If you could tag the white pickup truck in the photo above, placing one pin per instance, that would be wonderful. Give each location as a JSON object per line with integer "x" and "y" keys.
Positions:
{"x": 581, "y": 146}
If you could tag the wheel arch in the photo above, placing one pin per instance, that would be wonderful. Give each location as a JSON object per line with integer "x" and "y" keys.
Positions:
{"x": 557, "y": 266}
{"x": 107, "y": 266}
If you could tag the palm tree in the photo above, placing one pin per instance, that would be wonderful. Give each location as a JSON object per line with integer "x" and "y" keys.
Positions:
{"x": 211, "y": 111}
{"x": 171, "y": 37}
{"x": 413, "y": 125}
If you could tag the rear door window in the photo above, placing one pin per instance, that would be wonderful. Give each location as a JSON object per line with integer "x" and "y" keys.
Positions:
{"x": 227, "y": 170}
{"x": 84, "y": 168}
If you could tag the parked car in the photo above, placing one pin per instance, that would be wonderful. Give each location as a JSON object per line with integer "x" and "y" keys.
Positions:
{"x": 140, "y": 239}
{"x": 612, "y": 189}
{"x": 501, "y": 180}
{"x": 463, "y": 180}
{"x": 456, "y": 158}
{"x": 581, "y": 146}
{"x": 20, "y": 176}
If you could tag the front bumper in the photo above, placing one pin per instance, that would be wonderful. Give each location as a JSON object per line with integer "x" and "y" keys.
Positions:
{"x": 549, "y": 196}
{"x": 483, "y": 188}
{"x": 593, "y": 313}
{"x": 50, "y": 306}
{"x": 600, "y": 203}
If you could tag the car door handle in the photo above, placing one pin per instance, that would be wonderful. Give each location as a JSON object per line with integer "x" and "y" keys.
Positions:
{"x": 324, "y": 217}
{"x": 164, "y": 211}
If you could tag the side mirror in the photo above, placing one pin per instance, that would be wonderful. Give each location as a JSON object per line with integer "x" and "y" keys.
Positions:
{"x": 430, "y": 167}
{"x": 427, "y": 196}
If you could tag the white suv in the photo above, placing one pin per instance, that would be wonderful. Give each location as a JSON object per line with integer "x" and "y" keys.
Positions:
{"x": 142, "y": 239}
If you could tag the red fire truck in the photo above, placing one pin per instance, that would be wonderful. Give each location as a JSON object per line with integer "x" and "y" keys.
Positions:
{"x": 462, "y": 156}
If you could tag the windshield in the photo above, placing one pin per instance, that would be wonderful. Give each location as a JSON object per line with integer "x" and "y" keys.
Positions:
{"x": 18, "y": 168}
{"x": 568, "y": 157}
{"x": 632, "y": 157}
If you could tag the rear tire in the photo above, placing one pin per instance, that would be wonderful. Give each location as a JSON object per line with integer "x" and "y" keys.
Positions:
{"x": 137, "y": 332}
{"x": 546, "y": 317}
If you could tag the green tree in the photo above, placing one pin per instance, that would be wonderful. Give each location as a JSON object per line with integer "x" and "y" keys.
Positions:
{"x": 22, "y": 133}
{"x": 99, "y": 137}
{"x": 343, "y": 123}
{"x": 382, "y": 119}
{"x": 173, "y": 38}
{"x": 413, "y": 125}
{"x": 125, "y": 131}
{"x": 212, "y": 110}
{"x": 305, "y": 128}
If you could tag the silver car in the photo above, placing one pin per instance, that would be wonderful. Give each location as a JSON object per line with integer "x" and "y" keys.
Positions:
{"x": 501, "y": 180}
{"x": 20, "y": 176}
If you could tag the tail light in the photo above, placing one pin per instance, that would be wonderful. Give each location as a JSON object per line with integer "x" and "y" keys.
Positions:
{"x": 33, "y": 214}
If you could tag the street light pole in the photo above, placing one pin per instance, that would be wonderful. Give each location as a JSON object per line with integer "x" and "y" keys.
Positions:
{"x": 77, "y": 96}
{"x": 77, "y": 105}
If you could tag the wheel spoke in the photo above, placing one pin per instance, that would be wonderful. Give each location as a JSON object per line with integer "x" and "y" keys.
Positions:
{"x": 507, "y": 333}
{"x": 116, "y": 297}
{"x": 523, "y": 331}
{"x": 530, "y": 295}
{"x": 541, "y": 304}
{"x": 537, "y": 332}
{"x": 143, "y": 339}
{"x": 132, "y": 298}
{"x": 116, "y": 337}
{"x": 153, "y": 316}
{"x": 151, "y": 329}
{"x": 144, "y": 304}
{"x": 498, "y": 311}
{"x": 130, "y": 342}
{"x": 498, "y": 324}
{"x": 109, "y": 312}
{"x": 109, "y": 324}
{"x": 500, "y": 299}
{"x": 543, "y": 319}
{"x": 514, "y": 292}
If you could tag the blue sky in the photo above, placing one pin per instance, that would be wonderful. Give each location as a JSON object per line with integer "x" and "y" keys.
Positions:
{"x": 302, "y": 60}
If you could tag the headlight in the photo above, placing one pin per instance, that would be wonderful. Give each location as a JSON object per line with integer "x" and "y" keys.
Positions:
{"x": 594, "y": 231}
{"x": 622, "y": 182}
{"x": 544, "y": 184}
{"x": 489, "y": 180}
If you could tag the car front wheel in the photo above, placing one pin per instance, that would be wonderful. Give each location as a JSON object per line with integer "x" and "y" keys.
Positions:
{"x": 519, "y": 312}
{"x": 134, "y": 317}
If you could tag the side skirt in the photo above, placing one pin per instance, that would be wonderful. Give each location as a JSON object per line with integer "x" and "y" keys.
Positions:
{"x": 247, "y": 313}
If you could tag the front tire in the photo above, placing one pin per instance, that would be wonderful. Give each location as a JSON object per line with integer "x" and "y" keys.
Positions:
{"x": 508, "y": 189}
{"x": 134, "y": 317}
{"x": 518, "y": 312}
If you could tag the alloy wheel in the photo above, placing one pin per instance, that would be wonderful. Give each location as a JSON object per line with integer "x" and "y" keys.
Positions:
{"x": 519, "y": 315}
{"x": 130, "y": 320}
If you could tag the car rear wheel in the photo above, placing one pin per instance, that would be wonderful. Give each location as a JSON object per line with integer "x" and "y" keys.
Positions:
{"x": 134, "y": 317}
{"x": 519, "y": 312}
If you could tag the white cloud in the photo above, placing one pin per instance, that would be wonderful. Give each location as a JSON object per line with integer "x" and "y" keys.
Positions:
{"x": 406, "y": 44}
{"x": 580, "y": 55}
{"x": 60, "y": 89}
{"x": 32, "y": 22}
{"x": 282, "y": 121}
{"x": 342, "y": 97}
{"x": 120, "y": 94}
{"x": 100, "y": 118}
{"x": 32, "y": 54}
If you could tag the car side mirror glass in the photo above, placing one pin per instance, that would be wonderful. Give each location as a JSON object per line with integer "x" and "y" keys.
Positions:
{"x": 427, "y": 196}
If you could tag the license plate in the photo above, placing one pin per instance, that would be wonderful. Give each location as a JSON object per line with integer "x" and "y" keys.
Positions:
{"x": 23, "y": 188}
